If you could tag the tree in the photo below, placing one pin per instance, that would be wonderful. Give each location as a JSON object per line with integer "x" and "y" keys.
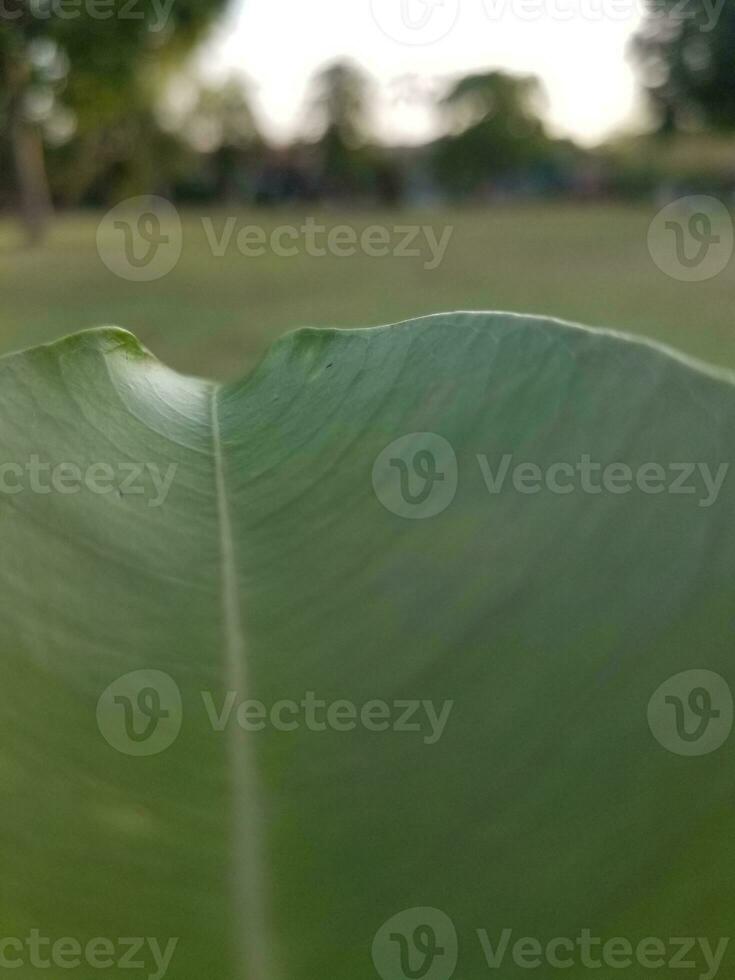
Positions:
{"x": 339, "y": 110}
{"x": 339, "y": 102}
{"x": 685, "y": 54}
{"x": 493, "y": 128}
{"x": 96, "y": 68}
{"x": 21, "y": 81}
{"x": 221, "y": 125}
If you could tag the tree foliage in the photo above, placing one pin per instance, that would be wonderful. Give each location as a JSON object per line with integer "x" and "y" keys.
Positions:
{"x": 685, "y": 52}
{"x": 89, "y": 74}
{"x": 493, "y": 127}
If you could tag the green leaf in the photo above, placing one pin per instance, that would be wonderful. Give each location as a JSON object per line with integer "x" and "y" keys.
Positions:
{"x": 269, "y": 548}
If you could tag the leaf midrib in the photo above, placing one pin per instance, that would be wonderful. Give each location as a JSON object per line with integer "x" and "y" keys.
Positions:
{"x": 250, "y": 884}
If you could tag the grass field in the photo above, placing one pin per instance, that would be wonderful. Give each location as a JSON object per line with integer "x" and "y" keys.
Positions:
{"x": 216, "y": 315}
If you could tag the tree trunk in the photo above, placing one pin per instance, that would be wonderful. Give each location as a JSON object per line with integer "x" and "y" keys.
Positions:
{"x": 32, "y": 181}
{"x": 34, "y": 196}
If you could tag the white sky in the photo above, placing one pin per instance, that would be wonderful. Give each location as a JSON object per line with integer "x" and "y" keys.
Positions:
{"x": 577, "y": 47}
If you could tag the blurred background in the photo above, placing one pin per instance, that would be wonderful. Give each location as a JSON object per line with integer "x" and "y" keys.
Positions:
{"x": 210, "y": 174}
